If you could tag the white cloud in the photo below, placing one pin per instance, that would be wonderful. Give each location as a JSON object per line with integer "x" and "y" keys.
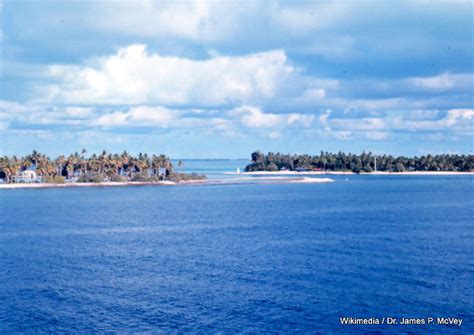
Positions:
{"x": 465, "y": 113}
{"x": 137, "y": 116}
{"x": 304, "y": 120}
{"x": 132, "y": 76}
{"x": 368, "y": 124}
{"x": 239, "y": 122}
{"x": 78, "y": 112}
{"x": 314, "y": 93}
{"x": 421, "y": 114}
{"x": 443, "y": 82}
{"x": 253, "y": 117}
{"x": 214, "y": 21}
{"x": 310, "y": 17}
{"x": 13, "y": 107}
{"x": 455, "y": 120}
{"x": 195, "y": 20}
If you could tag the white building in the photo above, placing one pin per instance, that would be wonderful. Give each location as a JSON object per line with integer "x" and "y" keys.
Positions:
{"x": 27, "y": 176}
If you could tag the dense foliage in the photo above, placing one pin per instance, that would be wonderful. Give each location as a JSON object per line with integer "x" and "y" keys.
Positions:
{"x": 174, "y": 176}
{"x": 364, "y": 162}
{"x": 78, "y": 167}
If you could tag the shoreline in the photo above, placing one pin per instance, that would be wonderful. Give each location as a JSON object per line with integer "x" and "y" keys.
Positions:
{"x": 383, "y": 173}
{"x": 102, "y": 184}
{"x": 264, "y": 180}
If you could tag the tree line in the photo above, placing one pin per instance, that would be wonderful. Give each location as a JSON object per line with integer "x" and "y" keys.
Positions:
{"x": 365, "y": 162}
{"x": 102, "y": 167}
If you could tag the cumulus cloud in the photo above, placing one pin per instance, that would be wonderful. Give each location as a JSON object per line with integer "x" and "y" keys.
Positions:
{"x": 455, "y": 120}
{"x": 443, "y": 82}
{"x": 78, "y": 112}
{"x": 314, "y": 94}
{"x": 13, "y": 107}
{"x": 214, "y": 21}
{"x": 305, "y": 18}
{"x": 368, "y": 124}
{"x": 304, "y": 120}
{"x": 421, "y": 114}
{"x": 376, "y": 125}
{"x": 253, "y": 117}
{"x": 194, "y": 20}
{"x": 235, "y": 122}
{"x": 137, "y": 116}
{"x": 133, "y": 76}
{"x": 267, "y": 69}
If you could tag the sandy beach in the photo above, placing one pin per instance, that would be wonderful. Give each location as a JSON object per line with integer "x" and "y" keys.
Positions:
{"x": 65, "y": 185}
{"x": 259, "y": 180}
{"x": 407, "y": 173}
{"x": 287, "y": 180}
{"x": 267, "y": 177}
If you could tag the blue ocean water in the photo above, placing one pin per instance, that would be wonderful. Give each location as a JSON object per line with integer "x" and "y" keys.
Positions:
{"x": 268, "y": 258}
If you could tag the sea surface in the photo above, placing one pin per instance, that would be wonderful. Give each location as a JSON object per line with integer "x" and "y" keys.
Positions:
{"x": 258, "y": 258}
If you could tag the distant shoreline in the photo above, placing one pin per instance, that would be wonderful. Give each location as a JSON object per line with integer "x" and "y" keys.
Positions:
{"x": 265, "y": 180}
{"x": 409, "y": 173}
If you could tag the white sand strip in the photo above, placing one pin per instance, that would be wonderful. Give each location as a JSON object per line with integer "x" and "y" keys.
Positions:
{"x": 261, "y": 180}
{"x": 284, "y": 179}
{"x": 407, "y": 173}
{"x": 103, "y": 184}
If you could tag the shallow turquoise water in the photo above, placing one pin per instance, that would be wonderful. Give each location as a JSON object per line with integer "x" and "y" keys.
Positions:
{"x": 238, "y": 258}
{"x": 213, "y": 169}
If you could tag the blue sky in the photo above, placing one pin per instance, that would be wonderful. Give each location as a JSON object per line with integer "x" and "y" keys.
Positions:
{"x": 219, "y": 79}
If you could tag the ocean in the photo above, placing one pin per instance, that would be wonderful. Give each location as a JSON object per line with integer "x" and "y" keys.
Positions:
{"x": 239, "y": 258}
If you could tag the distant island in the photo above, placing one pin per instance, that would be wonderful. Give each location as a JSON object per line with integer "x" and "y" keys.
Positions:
{"x": 103, "y": 168}
{"x": 36, "y": 170}
{"x": 363, "y": 163}
{"x": 111, "y": 169}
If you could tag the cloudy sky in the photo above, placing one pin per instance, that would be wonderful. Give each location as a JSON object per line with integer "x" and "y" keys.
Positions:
{"x": 221, "y": 79}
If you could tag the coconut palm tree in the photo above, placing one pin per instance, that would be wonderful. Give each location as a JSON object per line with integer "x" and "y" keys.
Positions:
{"x": 60, "y": 162}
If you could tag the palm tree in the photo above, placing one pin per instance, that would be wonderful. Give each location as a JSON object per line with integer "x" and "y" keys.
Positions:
{"x": 59, "y": 162}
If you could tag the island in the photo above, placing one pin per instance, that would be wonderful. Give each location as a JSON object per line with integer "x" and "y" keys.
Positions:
{"x": 341, "y": 163}
{"x": 37, "y": 170}
{"x": 106, "y": 169}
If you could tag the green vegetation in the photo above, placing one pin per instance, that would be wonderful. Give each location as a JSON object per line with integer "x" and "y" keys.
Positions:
{"x": 54, "y": 180}
{"x": 91, "y": 177}
{"x": 77, "y": 167}
{"x": 185, "y": 176}
{"x": 142, "y": 177}
{"x": 364, "y": 162}
{"x": 117, "y": 179}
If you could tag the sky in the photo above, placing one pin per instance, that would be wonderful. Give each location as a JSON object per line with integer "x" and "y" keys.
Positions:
{"x": 220, "y": 79}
